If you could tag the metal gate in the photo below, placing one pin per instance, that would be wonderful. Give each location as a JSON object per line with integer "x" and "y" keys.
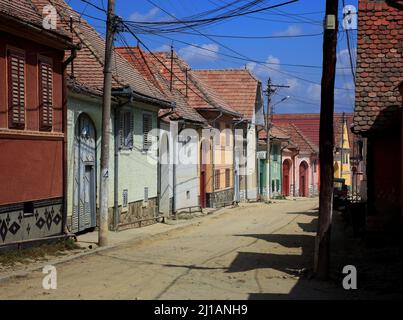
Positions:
{"x": 84, "y": 188}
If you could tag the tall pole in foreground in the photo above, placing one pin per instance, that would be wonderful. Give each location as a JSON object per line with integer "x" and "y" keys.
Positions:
{"x": 106, "y": 116}
{"x": 322, "y": 245}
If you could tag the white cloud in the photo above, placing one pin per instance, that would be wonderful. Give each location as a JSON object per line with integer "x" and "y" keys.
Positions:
{"x": 292, "y": 30}
{"x": 206, "y": 52}
{"x": 313, "y": 91}
{"x": 162, "y": 48}
{"x": 151, "y": 15}
{"x": 343, "y": 61}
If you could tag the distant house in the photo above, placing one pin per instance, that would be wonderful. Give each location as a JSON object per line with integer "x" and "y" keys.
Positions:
{"x": 32, "y": 127}
{"x": 243, "y": 92}
{"x": 300, "y": 165}
{"x": 378, "y": 111}
{"x": 179, "y": 177}
{"x": 345, "y": 142}
{"x": 216, "y": 150}
{"x": 271, "y": 178}
{"x": 135, "y": 106}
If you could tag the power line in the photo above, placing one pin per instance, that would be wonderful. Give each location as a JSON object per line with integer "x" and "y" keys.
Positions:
{"x": 252, "y": 37}
{"x": 349, "y": 50}
{"x": 168, "y": 69}
{"x": 245, "y": 58}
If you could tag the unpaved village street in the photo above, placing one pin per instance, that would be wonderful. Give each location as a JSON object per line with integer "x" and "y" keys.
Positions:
{"x": 255, "y": 251}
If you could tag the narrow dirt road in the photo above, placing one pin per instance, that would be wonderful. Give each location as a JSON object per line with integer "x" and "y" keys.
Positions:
{"x": 255, "y": 251}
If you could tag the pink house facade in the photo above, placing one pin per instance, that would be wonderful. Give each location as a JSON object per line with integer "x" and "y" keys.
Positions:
{"x": 300, "y": 170}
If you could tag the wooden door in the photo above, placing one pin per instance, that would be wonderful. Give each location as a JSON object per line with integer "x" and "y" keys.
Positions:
{"x": 286, "y": 178}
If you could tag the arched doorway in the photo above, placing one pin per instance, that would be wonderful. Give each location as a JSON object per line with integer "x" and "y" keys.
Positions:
{"x": 204, "y": 147}
{"x": 286, "y": 177}
{"x": 84, "y": 186}
{"x": 303, "y": 179}
{"x": 165, "y": 187}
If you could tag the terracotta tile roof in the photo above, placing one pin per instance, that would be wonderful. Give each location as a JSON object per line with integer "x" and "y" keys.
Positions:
{"x": 199, "y": 94}
{"x": 147, "y": 66}
{"x": 238, "y": 87}
{"x": 298, "y": 139}
{"x": 276, "y": 132}
{"x": 26, "y": 11}
{"x": 379, "y": 65}
{"x": 88, "y": 65}
{"x": 22, "y": 9}
{"x": 309, "y": 124}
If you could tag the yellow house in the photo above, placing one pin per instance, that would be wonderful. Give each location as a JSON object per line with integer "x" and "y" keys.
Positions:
{"x": 342, "y": 167}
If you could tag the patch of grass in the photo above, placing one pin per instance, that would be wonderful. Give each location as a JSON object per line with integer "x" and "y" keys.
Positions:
{"x": 37, "y": 253}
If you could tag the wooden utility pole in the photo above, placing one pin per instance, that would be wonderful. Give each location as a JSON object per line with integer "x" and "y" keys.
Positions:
{"x": 322, "y": 245}
{"x": 106, "y": 116}
{"x": 271, "y": 89}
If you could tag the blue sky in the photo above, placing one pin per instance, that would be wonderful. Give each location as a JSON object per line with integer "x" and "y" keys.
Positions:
{"x": 301, "y": 18}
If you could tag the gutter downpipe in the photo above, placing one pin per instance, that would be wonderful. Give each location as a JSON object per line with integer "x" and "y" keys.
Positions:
{"x": 294, "y": 170}
{"x": 233, "y": 157}
{"x": 213, "y": 156}
{"x": 116, "y": 164}
{"x": 65, "y": 141}
{"x": 175, "y": 160}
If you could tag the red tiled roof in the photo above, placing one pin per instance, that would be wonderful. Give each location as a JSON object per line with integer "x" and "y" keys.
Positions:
{"x": 379, "y": 65}
{"x": 298, "y": 139}
{"x": 88, "y": 65}
{"x": 238, "y": 87}
{"x": 309, "y": 124}
{"x": 275, "y": 132}
{"x": 146, "y": 65}
{"x": 199, "y": 94}
{"x": 26, "y": 11}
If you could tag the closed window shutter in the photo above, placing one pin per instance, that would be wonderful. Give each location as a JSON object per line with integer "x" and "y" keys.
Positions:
{"x": 227, "y": 177}
{"x": 16, "y": 85}
{"x": 147, "y": 126}
{"x": 46, "y": 95}
{"x": 217, "y": 179}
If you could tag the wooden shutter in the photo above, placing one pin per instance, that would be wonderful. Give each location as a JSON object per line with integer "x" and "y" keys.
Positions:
{"x": 128, "y": 129}
{"x": 227, "y": 177}
{"x": 46, "y": 95}
{"x": 147, "y": 126}
{"x": 121, "y": 130}
{"x": 16, "y": 89}
{"x": 217, "y": 179}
